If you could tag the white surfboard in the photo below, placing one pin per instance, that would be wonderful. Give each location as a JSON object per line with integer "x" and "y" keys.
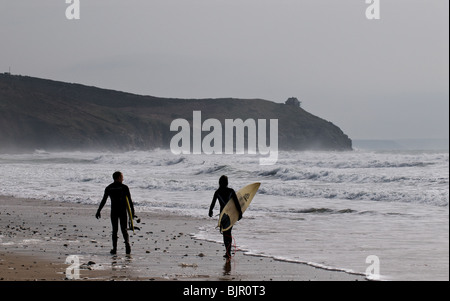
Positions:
{"x": 229, "y": 215}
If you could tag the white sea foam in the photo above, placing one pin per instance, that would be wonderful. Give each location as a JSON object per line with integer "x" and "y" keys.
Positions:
{"x": 327, "y": 209}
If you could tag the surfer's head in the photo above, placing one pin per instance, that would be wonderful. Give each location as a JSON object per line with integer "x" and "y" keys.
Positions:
{"x": 223, "y": 181}
{"x": 117, "y": 176}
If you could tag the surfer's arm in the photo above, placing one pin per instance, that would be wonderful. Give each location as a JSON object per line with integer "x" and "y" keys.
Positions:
{"x": 236, "y": 203}
{"x": 213, "y": 203}
{"x": 102, "y": 203}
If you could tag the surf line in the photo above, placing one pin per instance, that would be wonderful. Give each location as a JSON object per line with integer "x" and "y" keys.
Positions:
{"x": 215, "y": 138}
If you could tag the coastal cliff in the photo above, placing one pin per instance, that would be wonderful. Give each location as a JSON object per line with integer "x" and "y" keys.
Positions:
{"x": 45, "y": 114}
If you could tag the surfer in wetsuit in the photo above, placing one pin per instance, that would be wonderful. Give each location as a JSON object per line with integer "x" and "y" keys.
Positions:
{"x": 118, "y": 193}
{"x": 224, "y": 194}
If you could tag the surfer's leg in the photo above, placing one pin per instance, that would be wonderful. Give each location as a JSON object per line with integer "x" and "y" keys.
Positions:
{"x": 227, "y": 240}
{"x": 115, "y": 229}
{"x": 123, "y": 229}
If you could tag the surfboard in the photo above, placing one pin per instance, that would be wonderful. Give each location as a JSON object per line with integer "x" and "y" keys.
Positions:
{"x": 130, "y": 214}
{"x": 229, "y": 215}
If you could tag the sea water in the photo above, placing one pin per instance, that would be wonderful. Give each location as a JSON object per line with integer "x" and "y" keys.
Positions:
{"x": 333, "y": 210}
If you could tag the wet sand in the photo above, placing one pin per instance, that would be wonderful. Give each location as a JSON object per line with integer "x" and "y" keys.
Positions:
{"x": 39, "y": 238}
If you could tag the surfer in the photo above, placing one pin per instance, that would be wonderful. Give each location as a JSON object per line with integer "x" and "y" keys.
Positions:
{"x": 118, "y": 193}
{"x": 224, "y": 194}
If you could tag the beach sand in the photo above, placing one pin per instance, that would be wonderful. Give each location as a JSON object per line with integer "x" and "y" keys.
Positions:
{"x": 37, "y": 237}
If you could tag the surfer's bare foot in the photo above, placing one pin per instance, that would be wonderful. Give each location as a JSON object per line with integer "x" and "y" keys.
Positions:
{"x": 127, "y": 249}
{"x": 113, "y": 252}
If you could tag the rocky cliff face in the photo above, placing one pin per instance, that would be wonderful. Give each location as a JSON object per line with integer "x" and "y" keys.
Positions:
{"x": 44, "y": 114}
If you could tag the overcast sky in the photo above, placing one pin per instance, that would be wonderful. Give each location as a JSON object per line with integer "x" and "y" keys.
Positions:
{"x": 375, "y": 79}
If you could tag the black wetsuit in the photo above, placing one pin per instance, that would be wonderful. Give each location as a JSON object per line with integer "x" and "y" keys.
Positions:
{"x": 118, "y": 193}
{"x": 224, "y": 194}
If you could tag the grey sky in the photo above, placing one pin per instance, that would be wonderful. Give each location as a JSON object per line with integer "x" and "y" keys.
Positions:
{"x": 376, "y": 79}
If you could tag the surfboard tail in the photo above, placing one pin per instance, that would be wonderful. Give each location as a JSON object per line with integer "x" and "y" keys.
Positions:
{"x": 225, "y": 223}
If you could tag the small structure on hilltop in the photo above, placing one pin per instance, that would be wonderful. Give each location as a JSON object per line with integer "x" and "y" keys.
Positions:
{"x": 293, "y": 101}
{"x": 9, "y": 72}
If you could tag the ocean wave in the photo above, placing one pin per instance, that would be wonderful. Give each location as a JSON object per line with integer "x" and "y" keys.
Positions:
{"x": 175, "y": 161}
{"x": 287, "y": 174}
{"x": 433, "y": 197}
{"x": 421, "y": 179}
{"x": 214, "y": 170}
{"x": 323, "y": 210}
{"x": 294, "y": 211}
{"x": 337, "y": 176}
{"x": 122, "y": 160}
{"x": 387, "y": 164}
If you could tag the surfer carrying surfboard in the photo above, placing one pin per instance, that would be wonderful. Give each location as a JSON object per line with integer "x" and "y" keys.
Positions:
{"x": 224, "y": 194}
{"x": 120, "y": 200}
